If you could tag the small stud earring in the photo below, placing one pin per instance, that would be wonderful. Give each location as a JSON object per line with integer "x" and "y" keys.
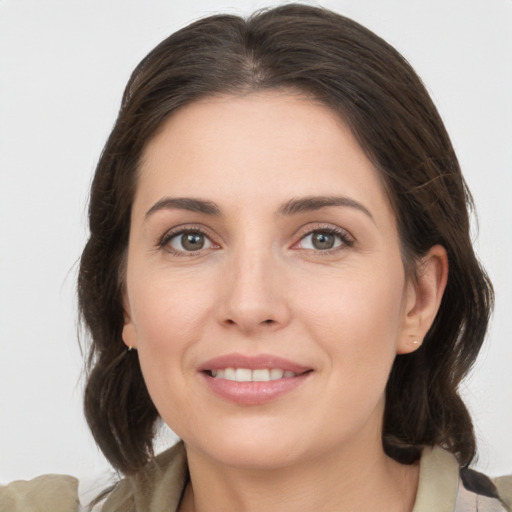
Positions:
{"x": 130, "y": 348}
{"x": 415, "y": 342}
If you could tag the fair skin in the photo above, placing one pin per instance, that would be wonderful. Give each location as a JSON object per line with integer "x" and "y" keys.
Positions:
{"x": 255, "y": 272}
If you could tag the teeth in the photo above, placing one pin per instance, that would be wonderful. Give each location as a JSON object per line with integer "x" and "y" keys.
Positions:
{"x": 243, "y": 375}
{"x": 276, "y": 373}
{"x": 229, "y": 374}
{"x": 260, "y": 375}
{"x": 247, "y": 375}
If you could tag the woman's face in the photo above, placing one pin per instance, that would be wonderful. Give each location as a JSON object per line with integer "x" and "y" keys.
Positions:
{"x": 265, "y": 291}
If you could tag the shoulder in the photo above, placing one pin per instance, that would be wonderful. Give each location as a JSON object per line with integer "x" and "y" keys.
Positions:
{"x": 479, "y": 492}
{"x": 444, "y": 486}
{"x": 58, "y": 493}
{"x": 157, "y": 487}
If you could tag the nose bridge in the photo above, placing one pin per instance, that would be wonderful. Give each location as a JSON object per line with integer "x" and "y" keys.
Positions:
{"x": 253, "y": 295}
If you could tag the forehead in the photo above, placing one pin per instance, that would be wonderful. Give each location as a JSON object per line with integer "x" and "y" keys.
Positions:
{"x": 259, "y": 147}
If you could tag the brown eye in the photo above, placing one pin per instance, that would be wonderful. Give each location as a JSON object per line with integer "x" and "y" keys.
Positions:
{"x": 190, "y": 241}
{"x": 322, "y": 240}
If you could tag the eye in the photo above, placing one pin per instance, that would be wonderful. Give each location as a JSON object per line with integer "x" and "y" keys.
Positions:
{"x": 324, "y": 240}
{"x": 187, "y": 241}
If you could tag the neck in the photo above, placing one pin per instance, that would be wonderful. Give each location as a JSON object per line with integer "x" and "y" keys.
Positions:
{"x": 358, "y": 478}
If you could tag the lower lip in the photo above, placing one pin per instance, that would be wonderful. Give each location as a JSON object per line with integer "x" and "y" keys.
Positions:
{"x": 253, "y": 393}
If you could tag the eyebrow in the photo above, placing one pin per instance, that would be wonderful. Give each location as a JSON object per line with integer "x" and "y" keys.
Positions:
{"x": 291, "y": 207}
{"x": 313, "y": 203}
{"x": 185, "y": 203}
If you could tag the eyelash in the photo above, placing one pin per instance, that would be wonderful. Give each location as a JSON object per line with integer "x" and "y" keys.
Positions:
{"x": 164, "y": 242}
{"x": 346, "y": 239}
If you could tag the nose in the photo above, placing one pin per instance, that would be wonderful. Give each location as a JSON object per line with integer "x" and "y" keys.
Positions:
{"x": 254, "y": 293}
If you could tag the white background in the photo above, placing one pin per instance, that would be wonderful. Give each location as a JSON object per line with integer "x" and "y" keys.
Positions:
{"x": 63, "y": 66}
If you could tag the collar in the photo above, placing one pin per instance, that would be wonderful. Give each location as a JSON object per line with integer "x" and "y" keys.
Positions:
{"x": 159, "y": 486}
{"x": 438, "y": 482}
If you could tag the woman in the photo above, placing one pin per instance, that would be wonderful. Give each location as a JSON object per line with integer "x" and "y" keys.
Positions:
{"x": 280, "y": 268}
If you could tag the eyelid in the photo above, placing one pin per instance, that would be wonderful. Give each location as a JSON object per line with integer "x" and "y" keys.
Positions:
{"x": 346, "y": 237}
{"x": 163, "y": 241}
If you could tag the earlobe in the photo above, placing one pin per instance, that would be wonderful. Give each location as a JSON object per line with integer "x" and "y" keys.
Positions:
{"x": 129, "y": 332}
{"x": 423, "y": 298}
{"x": 129, "y": 338}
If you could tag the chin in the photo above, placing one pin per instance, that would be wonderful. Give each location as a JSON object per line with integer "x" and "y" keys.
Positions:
{"x": 256, "y": 456}
{"x": 249, "y": 449}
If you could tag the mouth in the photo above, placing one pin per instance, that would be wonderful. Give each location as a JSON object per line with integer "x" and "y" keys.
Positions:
{"x": 248, "y": 375}
{"x": 253, "y": 380}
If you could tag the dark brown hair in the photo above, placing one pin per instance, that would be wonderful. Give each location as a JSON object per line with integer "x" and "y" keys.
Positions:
{"x": 379, "y": 96}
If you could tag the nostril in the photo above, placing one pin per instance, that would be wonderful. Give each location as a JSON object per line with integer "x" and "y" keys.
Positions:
{"x": 250, "y": 324}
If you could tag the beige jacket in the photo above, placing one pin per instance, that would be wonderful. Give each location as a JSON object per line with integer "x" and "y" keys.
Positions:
{"x": 159, "y": 486}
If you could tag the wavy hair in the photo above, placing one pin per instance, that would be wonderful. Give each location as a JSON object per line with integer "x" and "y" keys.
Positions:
{"x": 377, "y": 93}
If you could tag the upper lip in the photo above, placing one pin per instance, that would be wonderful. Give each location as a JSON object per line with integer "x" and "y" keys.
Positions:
{"x": 253, "y": 362}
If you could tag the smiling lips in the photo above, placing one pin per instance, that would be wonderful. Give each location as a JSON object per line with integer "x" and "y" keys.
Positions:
{"x": 248, "y": 375}
{"x": 252, "y": 380}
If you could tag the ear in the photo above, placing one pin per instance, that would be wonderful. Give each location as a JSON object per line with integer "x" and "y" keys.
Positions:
{"x": 423, "y": 298}
{"x": 129, "y": 333}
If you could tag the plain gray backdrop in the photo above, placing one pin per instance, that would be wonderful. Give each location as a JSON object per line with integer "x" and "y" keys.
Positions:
{"x": 63, "y": 66}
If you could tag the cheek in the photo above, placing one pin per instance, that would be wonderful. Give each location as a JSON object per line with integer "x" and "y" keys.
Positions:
{"x": 168, "y": 319}
{"x": 357, "y": 316}
{"x": 167, "y": 312}
{"x": 167, "y": 325}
